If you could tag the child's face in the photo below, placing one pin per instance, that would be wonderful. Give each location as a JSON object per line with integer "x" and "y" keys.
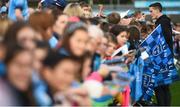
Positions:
{"x": 64, "y": 74}
{"x": 111, "y": 48}
{"x": 103, "y": 46}
{"x": 78, "y": 42}
{"x": 26, "y": 38}
{"x": 19, "y": 70}
{"x": 122, "y": 38}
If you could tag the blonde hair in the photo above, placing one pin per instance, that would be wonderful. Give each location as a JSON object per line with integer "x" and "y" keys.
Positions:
{"x": 73, "y": 9}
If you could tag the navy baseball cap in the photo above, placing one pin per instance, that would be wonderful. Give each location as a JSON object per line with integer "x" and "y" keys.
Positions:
{"x": 53, "y": 3}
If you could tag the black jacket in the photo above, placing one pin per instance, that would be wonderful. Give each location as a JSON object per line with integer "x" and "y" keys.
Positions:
{"x": 166, "y": 29}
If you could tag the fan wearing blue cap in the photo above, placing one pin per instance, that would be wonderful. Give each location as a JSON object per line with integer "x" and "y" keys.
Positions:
{"x": 3, "y": 12}
{"x": 18, "y": 10}
{"x": 53, "y": 3}
{"x": 3, "y": 9}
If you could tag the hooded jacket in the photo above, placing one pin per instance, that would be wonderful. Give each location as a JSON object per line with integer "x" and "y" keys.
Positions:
{"x": 166, "y": 29}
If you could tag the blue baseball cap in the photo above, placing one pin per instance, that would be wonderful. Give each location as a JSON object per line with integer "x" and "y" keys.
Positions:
{"x": 60, "y": 3}
{"x": 52, "y": 3}
{"x": 3, "y": 9}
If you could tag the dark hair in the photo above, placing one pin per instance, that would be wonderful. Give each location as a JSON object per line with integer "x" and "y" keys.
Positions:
{"x": 95, "y": 20}
{"x": 12, "y": 51}
{"x": 134, "y": 22}
{"x": 56, "y": 13}
{"x": 70, "y": 29}
{"x": 10, "y": 37}
{"x": 117, "y": 29}
{"x": 83, "y": 4}
{"x": 134, "y": 33}
{"x": 105, "y": 26}
{"x": 84, "y": 20}
{"x": 134, "y": 37}
{"x": 136, "y": 13}
{"x": 53, "y": 58}
{"x": 111, "y": 37}
{"x": 113, "y": 18}
{"x": 157, "y": 5}
{"x": 3, "y": 2}
{"x": 42, "y": 45}
{"x": 145, "y": 28}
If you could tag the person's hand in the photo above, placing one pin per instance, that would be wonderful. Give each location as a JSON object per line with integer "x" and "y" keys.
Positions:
{"x": 78, "y": 95}
{"x": 130, "y": 58}
{"x": 39, "y": 5}
{"x": 18, "y": 14}
{"x": 103, "y": 70}
{"x": 101, "y": 9}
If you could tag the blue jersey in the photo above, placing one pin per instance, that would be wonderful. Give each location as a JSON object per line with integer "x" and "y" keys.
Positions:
{"x": 18, "y": 4}
{"x": 53, "y": 42}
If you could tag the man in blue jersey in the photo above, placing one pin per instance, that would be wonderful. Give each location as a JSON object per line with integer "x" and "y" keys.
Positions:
{"x": 18, "y": 10}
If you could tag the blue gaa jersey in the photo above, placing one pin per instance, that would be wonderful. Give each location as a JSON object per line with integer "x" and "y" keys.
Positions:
{"x": 18, "y": 4}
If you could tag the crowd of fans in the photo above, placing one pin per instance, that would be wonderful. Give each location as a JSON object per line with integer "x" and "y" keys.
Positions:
{"x": 54, "y": 54}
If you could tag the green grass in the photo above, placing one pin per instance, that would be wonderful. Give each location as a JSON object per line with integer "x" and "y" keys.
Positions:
{"x": 175, "y": 93}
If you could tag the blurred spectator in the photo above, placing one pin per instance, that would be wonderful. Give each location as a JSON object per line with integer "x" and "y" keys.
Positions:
{"x": 18, "y": 10}
{"x": 59, "y": 27}
{"x": 61, "y": 55}
{"x": 139, "y": 16}
{"x": 134, "y": 37}
{"x": 73, "y": 9}
{"x": 145, "y": 30}
{"x": 112, "y": 45}
{"x": 75, "y": 39}
{"x": 121, "y": 34}
{"x": 60, "y": 69}
{"x": 96, "y": 36}
{"x": 114, "y": 18}
{"x": 87, "y": 10}
{"x": 8, "y": 99}
{"x": 43, "y": 23}
{"x": 103, "y": 46}
{"x": 21, "y": 33}
{"x": 18, "y": 76}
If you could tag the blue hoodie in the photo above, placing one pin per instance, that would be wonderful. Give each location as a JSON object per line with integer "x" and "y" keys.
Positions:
{"x": 18, "y": 4}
